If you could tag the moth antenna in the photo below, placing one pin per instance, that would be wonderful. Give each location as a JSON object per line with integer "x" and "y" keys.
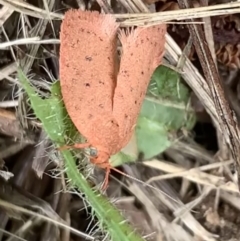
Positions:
{"x": 75, "y": 146}
{"x": 143, "y": 183}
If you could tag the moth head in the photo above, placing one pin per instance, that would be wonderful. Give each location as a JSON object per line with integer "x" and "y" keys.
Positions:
{"x": 99, "y": 157}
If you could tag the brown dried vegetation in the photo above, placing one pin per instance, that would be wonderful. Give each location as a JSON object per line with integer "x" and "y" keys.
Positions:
{"x": 216, "y": 211}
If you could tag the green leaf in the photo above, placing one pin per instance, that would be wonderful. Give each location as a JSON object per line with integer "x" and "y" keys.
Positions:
{"x": 167, "y": 84}
{"x": 50, "y": 111}
{"x": 171, "y": 116}
{"x": 152, "y": 137}
{"x": 56, "y": 123}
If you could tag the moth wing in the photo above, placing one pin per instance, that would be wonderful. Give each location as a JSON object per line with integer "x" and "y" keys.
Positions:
{"x": 87, "y": 67}
{"x": 142, "y": 52}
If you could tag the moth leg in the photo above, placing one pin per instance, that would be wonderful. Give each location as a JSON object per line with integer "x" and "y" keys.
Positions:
{"x": 75, "y": 146}
{"x": 106, "y": 179}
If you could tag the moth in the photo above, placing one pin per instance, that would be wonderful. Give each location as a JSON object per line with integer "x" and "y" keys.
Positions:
{"x": 102, "y": 94}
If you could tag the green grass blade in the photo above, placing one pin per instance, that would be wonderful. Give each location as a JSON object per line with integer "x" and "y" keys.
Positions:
{"x": 53, "y": 116}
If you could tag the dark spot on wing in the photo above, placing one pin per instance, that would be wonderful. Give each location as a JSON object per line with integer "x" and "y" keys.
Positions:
{"x": 88, "y": 58}
{"x": 114, "y": 123}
